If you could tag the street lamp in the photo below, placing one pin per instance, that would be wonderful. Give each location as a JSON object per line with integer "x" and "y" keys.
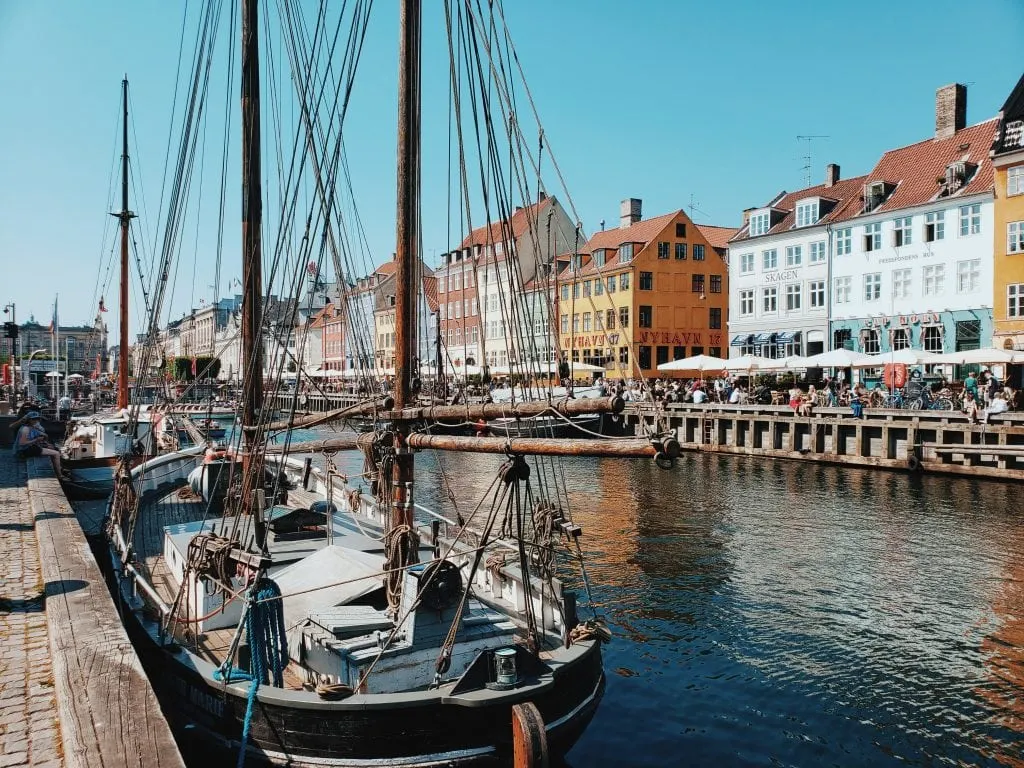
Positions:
{"x": 28, "y": 368}
{"x": 10, "y": 308}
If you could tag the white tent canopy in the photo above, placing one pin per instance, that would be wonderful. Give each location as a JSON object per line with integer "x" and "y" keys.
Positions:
{"x": 54, "y": 375}
{"x": 983, "y": 356}
{"x": 695, "y": 363}
{"x": 839, "y": 358}
{"x": 747, "y": 363}
{"x": 906, "y": 356}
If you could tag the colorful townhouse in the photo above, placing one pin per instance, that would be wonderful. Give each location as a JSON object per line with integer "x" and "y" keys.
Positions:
{"x": 645, "y": 293}
{"x": 1007, "y": 154}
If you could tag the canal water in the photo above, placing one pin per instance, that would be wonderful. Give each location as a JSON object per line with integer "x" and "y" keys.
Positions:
{"x": 779, "y": 613}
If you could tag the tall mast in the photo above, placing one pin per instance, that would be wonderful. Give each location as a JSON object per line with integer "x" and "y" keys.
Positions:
{"x": 125, "y": 216}
{"x": 407, "y": 241}
{"x": 252, "y": 215}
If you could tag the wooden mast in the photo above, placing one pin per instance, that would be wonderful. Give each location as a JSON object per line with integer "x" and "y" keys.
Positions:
{"x": 252, "y": 288}
{"x": 406, "y": 247}
{"x": 125, "y": 217}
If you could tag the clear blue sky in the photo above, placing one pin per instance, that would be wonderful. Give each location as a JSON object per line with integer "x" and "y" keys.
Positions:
{"x": 657, "y": 99}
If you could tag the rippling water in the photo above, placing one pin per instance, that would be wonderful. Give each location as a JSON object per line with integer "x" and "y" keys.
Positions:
{"x": 770, "y": 612}
{"x": 779, "y": 613}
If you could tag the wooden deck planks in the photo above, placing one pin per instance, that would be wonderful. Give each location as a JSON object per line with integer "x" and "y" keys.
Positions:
{"x": 109, "y": 715}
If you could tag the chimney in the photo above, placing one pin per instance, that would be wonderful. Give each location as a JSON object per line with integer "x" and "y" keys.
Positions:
{"x": 831, "y": 174}
{"x": 746, "y": 215}
{"x": 950, "y": 110}
{"x": 629, "y": 211}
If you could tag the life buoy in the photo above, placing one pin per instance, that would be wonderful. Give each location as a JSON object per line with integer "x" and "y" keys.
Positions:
{"x": 913, "y": 463}
{"x": 214, "y": 454}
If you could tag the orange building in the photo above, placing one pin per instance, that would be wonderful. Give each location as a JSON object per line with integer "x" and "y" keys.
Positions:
{"x": 1008, "y": 214}
{"x": 645, "y": 293}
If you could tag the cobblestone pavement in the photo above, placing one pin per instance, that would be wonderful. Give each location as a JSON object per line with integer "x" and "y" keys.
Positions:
{"x": 29, "y": 731}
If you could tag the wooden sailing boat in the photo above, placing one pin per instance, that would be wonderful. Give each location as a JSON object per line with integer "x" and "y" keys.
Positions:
{"x": 294, "y": 619}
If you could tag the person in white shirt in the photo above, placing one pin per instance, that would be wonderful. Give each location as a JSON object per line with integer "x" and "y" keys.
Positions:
{"x": 997, "y": 405}
{"x": 64, "y": 408}
{"x": 735, "y": 397}
{"x": 699, "y": 396}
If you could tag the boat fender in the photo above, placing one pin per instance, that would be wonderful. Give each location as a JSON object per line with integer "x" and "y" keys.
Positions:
{"x": 663, "y": 460}
{"x": 913, "y": 463}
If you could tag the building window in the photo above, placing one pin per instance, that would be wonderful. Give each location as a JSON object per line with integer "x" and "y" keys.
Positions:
{"x": 663, "y": 250}
{"x": 794, "y": 255}
{"x": 576, "y": 323}
{"x": 623, "y": 317}
{"x": 793, "y": 293}
{"x": 586, "y": 289}
{"x": 680, "y": 229}
{"x": 1015, "y": 237}
{"x": 586, "y": 322}
{"x": 970, "y": 219}
{"x": 746, "y": 263}
{"x": 869, "y": 339}
{"x": 1015, "y": 180}
{"x": 968, "y": 275}
{"x": 873, "y": 286}
{"x": 610, "y": 319}
{"x": 900, "y": 339}
{"x": 680, "y": 251}
{"x": 931, "y": 338}
{"x": 842, "y": 339}
{"x": 934, "y": 279}
{"x": 626, "y": 252}
{"x": 902, "y": 233}
{"x": 769, "y": 260}
{"x": 934, "y": 226}
{"x": 678, "y": 353}
{"x": 662, "y": 355}
{"x": 816, "y": 289}
{"x": 817, "y": 252}
{"x": 770, "y": 300}
{"x": 624, "y": 281}
{"x": 807, "y": 214}
{"x": 575, "y": 290}
{"x": 645, "y": 317}
{"x": 646, "y": 281}
{"x": 698, "y": 252}
{"x": 759, "y": 224}
{"x": 623, "y": 355}
{"x": 844, "y": 241}
{"x": 747, "y": 302}
{"x": 644, "y": 357}
{"x": 1015, "y": 300}
{"x": 599, "y": 257}
{"x": 901, "y": 283}
{"x": 697, "y": 284}
{"x": 612, "y": 281}
{"x": 968, "y": 335}
{"x": 873, "y": 236}
{"x": 715, "y": 317}
{"x": 716, "y": 283}
{"x": 715, "y": 351}
{"x": 599, "y": 287}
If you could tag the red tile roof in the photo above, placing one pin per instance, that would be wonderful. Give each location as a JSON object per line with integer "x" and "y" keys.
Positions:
{"x": 385, "y": 269}
{"x": 842, "y": 191}
{"x": 642, "y": 232}
{"x": 519, "y": 222}
{"x": 430, "y": 292}
{"x": 914, "y": 170}
{"x": 717, "y": 237}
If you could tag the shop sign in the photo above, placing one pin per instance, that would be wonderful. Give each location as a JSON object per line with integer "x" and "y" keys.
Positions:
{"x": 885, "y": 321}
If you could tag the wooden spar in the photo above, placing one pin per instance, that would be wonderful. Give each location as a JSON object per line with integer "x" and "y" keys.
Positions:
{"x": 474, "y": 411}
{"x": 252, "y": 269}
{"x": 315, "y": 420}
{"x": 316, "y": 446}
{"x": 406, "y": 256}
{"x": 537, "y": 446}
{"x": 125, "y": 216}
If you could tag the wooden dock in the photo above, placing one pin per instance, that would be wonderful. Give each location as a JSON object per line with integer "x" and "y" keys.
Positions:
{"x": 106, "y": 707}
{"x": 942, "y": 442}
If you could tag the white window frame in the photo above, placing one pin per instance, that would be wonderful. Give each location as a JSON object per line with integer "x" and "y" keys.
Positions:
{"x": 1015, "y": 300}
{"x": 902, "y": 231}
{"x": 1015, "y": 180}
{"x": 770, "y": 296}
{"x": 794, "y": 297}
{"x": 970, "y": 219}
{"x": 816, "y": 292}
{"x": 937, "y": 221}
{"x": 842, "y": 289}
{"x": 901, "y": 283}
{"x": 760, "y": 224}
{"x": 872, "y": 286}
{"x": 1015, "y": 237}
{"x": 873, "y": 235}
{"x": 794, "y": 255}
{"x": 746, "y": 263}
{"x": 747, "y": 302}
{"x": 817, "y": 252}
{"x": 770, "y": 259}
{"x": 933, "y": 279}
{"x": 844, "y": 241}
{"x": 807, "y": 213}
{"x": 968, "y": 275}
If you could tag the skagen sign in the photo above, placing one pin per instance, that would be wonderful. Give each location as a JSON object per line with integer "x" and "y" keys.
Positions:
{"x": 780, "y": 277}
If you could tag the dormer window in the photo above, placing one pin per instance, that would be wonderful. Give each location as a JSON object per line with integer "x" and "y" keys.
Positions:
{"x": 957, "y": 176}
{"x": 626, "y": 252}
{"x": 760, "y": 223}
{"x": 599, "y": 257}
{"x": 807, "y": 213}
{"x": 875, "y": 193}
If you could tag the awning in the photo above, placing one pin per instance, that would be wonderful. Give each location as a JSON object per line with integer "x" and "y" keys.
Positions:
{"x": 740, "y": 340}
{"x": 786, "y": 337}
{"x": 762, "y": 338}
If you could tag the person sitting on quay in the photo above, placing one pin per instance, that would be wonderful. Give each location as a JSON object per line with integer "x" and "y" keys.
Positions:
{"x": 738, "y": 395}
{"x": 809, "y": 401}
{"x": 32, "y": 441}
{"x": 970, "y": 407}
{"x": 699, "y": 396}
{"x": 971, "y": 386}
{"x": 795, "y": 398}
{"x": 996, "y": 406}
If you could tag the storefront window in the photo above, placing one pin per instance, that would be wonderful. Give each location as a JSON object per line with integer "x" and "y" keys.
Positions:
{"x": 900, "y": 339}
{"x": 931, "y": 338}
{"x": 869, "y": 341}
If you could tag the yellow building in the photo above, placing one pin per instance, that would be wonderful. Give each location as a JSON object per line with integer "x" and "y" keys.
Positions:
{"x": 1008, "y": 163}
{"x": 644, "y": 294}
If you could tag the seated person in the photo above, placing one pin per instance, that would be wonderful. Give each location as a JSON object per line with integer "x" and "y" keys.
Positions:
{"x": 737, "y": 395}
{"x": 32, "y": 441}
{"x": 970, "y": 407}
{"x": 997, "y": 405}
{"x": 699, "y": 396}
{"x": 796, "y": 397}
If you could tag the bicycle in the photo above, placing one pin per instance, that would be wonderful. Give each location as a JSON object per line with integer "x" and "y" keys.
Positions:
{"x": 941, "y": 402}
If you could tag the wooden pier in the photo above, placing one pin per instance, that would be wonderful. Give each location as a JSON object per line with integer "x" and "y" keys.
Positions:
{"x": 942, "y": 442}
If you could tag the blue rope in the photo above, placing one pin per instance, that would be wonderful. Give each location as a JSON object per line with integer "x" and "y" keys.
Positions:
{"x": 268, "y": 647}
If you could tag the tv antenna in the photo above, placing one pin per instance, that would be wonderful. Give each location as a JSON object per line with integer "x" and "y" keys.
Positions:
{"x": 693, "y": 208}
{"x": 807, "y": 157}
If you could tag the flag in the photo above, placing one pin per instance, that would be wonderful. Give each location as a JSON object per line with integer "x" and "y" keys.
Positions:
{"x": 102, "y": 308}
{"x": 54, "y": 324}
{"x": 193, "y": 366}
